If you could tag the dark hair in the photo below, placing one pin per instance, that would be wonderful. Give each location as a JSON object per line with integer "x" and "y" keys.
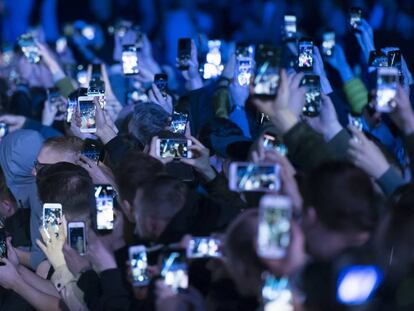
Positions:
{"x": 163, "y": 197}
{"x": 64, "y": 143}
{"x": 147, "y": 120}
{"x": 69, "y": 185}
{"x": 5, "y": 193}
{"x": 343, "y": 197}
{"x": 135, "y": 170}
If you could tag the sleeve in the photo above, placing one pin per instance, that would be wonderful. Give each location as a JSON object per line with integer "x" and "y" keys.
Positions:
{"x": 390, "y": 181}
{"x": 339, "y": 144}
{"x": 65, "y": 284}
{"x": 117, "y": 148}
{"x": 307, "y": 149}
{"x": 45, "y": 131}
{"x": 65, "y": 86}
{"x": 89, "y": 284}
{"x": 356, "y": 94}
{"x": 221, "y": 102}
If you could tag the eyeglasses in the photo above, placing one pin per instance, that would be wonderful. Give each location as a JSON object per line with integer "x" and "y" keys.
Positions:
{"x": 38, "y": 166}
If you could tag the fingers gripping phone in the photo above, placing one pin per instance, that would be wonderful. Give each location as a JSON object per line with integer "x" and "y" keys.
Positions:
{"x": 104, "y": 213}
{"x": 77, "y": 236}
{"x": 273, "y": 237}
{"x": 139, "y": 264}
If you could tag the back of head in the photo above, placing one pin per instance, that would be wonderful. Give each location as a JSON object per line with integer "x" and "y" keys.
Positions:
{"x": 69, "y": 185}
{"x": 148, "y": 120}
{"x": 134, "y": 171}
{"x": 71, "y": 144}
{"x": 343, "y": 196}
{"x": 243, "y": 263}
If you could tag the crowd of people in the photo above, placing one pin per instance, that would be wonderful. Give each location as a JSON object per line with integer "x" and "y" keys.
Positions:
{"x": 176, "y": 164}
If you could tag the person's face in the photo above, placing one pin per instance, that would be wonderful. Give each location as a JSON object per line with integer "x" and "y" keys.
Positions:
{"x": 7, "y": 208}
{"x": 48, "y": 155}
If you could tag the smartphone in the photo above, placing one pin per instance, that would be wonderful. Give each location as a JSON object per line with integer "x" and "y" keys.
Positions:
{"x": 387, "y": 83}
{"x": 4, "y": 129}
{"x": 161, "y": 81}
{"x": 77, "y": 236}
{"x": 244, "y": 71}
{"x": 213, "y": 67}
{"x": 305, "y": 56}
{"x": 52, "y": 214}
{"x": 82, "y": 77}
{"x": 254, "y": 177}
{"x": 276, "y": 293}
{"x": 87, "y": 111}
{"x": 273, "y": 142}
{"x": 88, "y": 32}
{"x": 355, "y": 16}
{"x": 184, "y": 53}
{"x": 204, "y": 247}
{"x": 175, "y": 271}
{"x": 355, "y": 121}
{"x": 357, "y": 284}
{"x": 29, "y": 48}
{"x": 71, "y": 108}
{"x": 179, "y": 122}
{"x": 266, "y": 79}
{"x": 96, "y": 86}
{"x": 130, "y": 60}
{"x": 54, "y": 97}
{"x": 104, "y": 221}
{"x": 139, "y": 264}
{"x": 289, "y": 26}
{"x": 273, "y": 235}
{"x": 244, "y": 51}
{"x": 394, "y": 59}
{"x": 377, "y": 59}
{"x": 173, "y": 148}
{"x": 312, "y": 106}
{"x": 3, "y": 244}
{"x": 61, "y": 45}
{"x": 328, "y": 43}
{"x": 92, "y": 150}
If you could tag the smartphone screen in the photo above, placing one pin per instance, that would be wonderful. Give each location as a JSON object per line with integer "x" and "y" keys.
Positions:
{"x": 244, "y": 71}
{"x": 3, "y": 244}
{"x": 276, "y": 293}
{"x": 77, "y": 237}
{"x": 355, "y": 121}
{"x": 377, "y": 59}
{"x": 139, "y": 265}
{"x": 355, "y": 15}
{"x": 244, "y": 51}
{"x": 254, "y": 177}
{"x": 92, "y": 150}
{"x": 174, "y": 148}
{"x": 175, "y": 270}
{"x": 328, "y": 43}
{"x": 387, "y": 83}
{"x": 305, "y": 57}
{"x": 312, "y": 106}
{"x": 204, "y": 247}
{"x": 61, "y": 45}
{"x": 71, "y": 108}
{"x": 130, "y": 60}
{"x": 266, "y": 80}
{"x": 4, "y": 129}
{"x": 29, "y": 48}
{"x": 52, "y": 215}
{"x": 290, "y": 26}
{"x": 179, "y": 122}
{"x": 273, "y": 237}
{"x": 87, "y": 111}
{"x": 161, "y": 81}
{"x": 394, "y": 59}
{"x": 184, "y": 53}
{"x": 212, "y": 67}
{"x": 271, "y": 142}
{"x": 104, "y": 195}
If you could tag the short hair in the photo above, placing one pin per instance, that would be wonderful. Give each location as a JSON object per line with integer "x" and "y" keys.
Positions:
{"x": 343, "y": 197}
{"x": 162, "y": 197}
{"x": 5, "y": 193}
{"x": 134, "y": 171}
{"x": 148, "y": 120}
{"x": 64, "y": 143}
{"x": 69, "y": 185}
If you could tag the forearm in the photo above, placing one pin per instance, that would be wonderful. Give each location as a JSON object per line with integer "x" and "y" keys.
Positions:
{"x": 194, "y": 84}
{"x": 39, "y": 300}
{"x": 45, "y": 286}
{"x": 24, "y": 257}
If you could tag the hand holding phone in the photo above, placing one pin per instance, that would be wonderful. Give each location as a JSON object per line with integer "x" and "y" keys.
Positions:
{"x": 173, "y": 148}
{"x": 246, "y": 176}
{"x": 266, "y": 80}
{"x": 139, "y": 264}
{"x": 355, "y": 16}
{"x": 29, "y": 48}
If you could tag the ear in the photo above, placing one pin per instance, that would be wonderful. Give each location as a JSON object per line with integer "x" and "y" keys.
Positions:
{"x": 127, "y": 209}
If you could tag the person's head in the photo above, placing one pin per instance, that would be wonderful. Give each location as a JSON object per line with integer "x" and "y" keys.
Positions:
{"x": 242, "y": 262}
{"x": 341, "y": 209}
{"x": 148, "y": 120}
{"x": 59, "y": 149}
{"x": 157, "y": 204}
{"x": 8, "y": 204}
{"x": 134, "y": 171}
{"x": 69, "y": 185}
